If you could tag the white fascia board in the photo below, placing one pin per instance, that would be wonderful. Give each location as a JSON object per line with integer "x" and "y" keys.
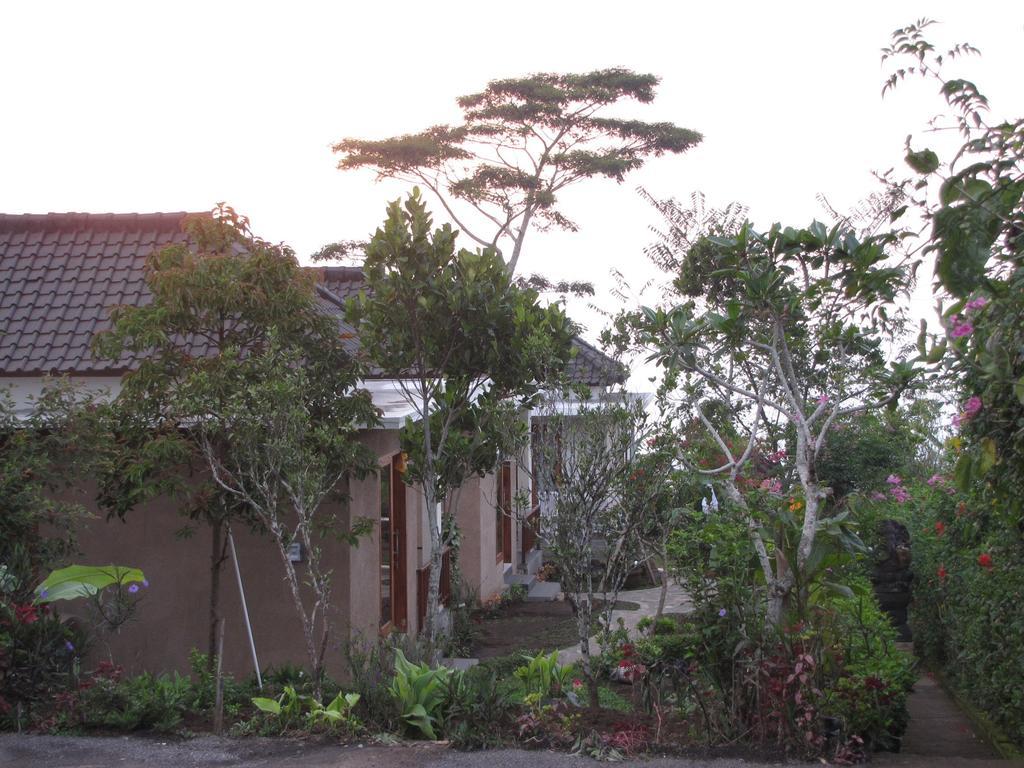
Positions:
{"x": 395, "y": 403}
{"x": 25, "y": 390}
{"x": 572, "y": 406}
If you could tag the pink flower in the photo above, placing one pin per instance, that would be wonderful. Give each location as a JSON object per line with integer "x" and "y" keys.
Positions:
{"x": 972, "y": 407}
{"x": 961, "y": 328}
{"x": 878, "y": 496}
{"x": 977, "y": 303}
{"x": 772, "y": 485}
{"x": 936, "y": 480}
{"x": 958, "y": 420}
{"x": 822, "y": 399}
{"x": 900, "y": 493}
{"x": 894, "y": 480}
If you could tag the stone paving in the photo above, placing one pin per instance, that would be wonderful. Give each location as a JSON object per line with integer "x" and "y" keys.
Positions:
{"x": 675, "y": 602}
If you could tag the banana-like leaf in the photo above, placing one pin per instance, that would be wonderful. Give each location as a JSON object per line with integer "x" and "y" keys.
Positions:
{"x": 85, "y": 581}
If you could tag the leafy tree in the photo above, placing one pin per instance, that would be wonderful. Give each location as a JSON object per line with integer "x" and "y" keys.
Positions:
{"x": 522, "y": 141}
{"x": 45, "y": 450}
{"x": 469, "y": 349}
{"x": 774, "y": 336}
{"x": 56, "y": 442}
{"x": 973, "y": 206}
{"x": 217, "y": 300}
{"x": 278, "y": 429}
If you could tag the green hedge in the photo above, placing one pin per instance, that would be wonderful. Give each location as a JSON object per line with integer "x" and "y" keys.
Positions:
{"x": 967, "y": 613}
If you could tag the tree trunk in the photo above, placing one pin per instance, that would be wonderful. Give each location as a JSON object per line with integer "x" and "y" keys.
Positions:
{"x": 584, "y": 610}
{"x": 307, "y": 628}
{"x": 662, "y": 595}
{"x": 433, "y": 612}
{"x": 216, "y": 560}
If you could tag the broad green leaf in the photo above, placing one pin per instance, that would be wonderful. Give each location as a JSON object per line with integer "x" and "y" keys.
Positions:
{"x": 77, "y": 581}
{"x": 267, "y": 705}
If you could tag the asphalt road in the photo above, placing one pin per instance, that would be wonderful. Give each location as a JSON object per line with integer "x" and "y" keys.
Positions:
{"x": 28, "y": 751}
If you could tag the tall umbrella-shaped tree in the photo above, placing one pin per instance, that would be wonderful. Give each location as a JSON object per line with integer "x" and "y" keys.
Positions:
{"x": 470, "y": 350}
{"x": 522, "y": 142}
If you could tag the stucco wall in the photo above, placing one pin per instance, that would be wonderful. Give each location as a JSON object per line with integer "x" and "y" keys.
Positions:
{"x": 173, "y": 614}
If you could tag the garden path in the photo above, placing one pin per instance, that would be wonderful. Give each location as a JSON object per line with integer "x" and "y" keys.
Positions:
{"x": 676, "y": 601}
{"x": 939, "y": 733}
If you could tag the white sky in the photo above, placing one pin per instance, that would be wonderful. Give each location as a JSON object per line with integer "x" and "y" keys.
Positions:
{"x": 175, "y": 106}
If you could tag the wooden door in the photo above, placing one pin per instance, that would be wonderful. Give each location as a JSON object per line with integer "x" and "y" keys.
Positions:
{"x": 505, "y": 508}
{"x": 400, "y": 537}
{"x": 393, "y": 535}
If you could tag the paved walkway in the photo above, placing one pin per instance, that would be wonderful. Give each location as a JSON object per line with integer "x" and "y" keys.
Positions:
{"x": 675, "y": 602}
{"x": 940, "y": 734}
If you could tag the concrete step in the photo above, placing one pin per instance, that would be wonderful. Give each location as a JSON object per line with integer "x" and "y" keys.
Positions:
{"x": 521, "y": 579}
{"x": 459, "y": 664}
{"x": 544, "y": 592}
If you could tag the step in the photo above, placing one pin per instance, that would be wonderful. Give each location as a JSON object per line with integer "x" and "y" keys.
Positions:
{"x": 459, "y": 664}
{"x": 544, "y": 592}
{"x": 520, "y": 579}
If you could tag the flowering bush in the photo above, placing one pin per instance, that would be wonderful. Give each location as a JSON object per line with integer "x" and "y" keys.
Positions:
{"x": 967, "y": 613}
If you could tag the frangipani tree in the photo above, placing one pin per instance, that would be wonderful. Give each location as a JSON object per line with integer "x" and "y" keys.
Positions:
{"x": 775, "y": 335}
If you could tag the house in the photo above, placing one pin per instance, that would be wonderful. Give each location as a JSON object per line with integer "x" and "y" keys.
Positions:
{"x": 60, "y": 274}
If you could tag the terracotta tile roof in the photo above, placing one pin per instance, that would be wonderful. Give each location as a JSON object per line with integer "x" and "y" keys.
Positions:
{"x": 588, "y": 366}
{"x": 60, "y": 273}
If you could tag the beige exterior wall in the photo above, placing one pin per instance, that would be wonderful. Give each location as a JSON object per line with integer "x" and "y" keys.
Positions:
{"x": 172, "y": 617}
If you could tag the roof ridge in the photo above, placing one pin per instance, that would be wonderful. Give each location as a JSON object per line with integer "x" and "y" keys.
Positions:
{"x": 96, "y": 221}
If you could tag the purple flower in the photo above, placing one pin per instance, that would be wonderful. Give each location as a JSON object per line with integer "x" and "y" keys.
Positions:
{"x": 977, "y": 303}
{"x": 936, "y": 480}
{"x": 894, "y": 480}
{"x": 70, "y": 646}
{"x": 878, "y": 496}
{"x": 958, "y": 420}
{"x": 43, "y": 593}
{"x": 145, "y": 582}
{"x": 133, "y": 588}
{"x": 723, "y": 613}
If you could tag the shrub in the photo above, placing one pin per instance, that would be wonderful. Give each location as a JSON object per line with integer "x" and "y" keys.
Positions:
{"x": 419, "y": 692}
{"x": 477, "y": 709}
{"x": 144, "y": 702}
{"x": 543, "y": 676}
{"x": 371, "y": 668}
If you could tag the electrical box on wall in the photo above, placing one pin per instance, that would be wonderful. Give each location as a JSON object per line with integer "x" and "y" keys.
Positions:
{"x": 295, "y": 552}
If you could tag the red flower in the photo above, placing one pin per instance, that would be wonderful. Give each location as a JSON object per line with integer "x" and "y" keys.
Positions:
{"x": 940, "y": 528}
{"x": 985, "y": 560}
{"x": 26, "y": 614}
{"x": 943, "y": 573}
